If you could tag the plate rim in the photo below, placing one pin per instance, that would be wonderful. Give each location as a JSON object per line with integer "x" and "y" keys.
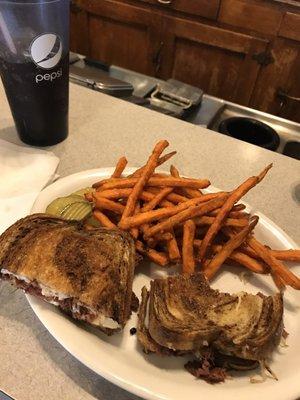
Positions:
{"x": 130, "y": 387}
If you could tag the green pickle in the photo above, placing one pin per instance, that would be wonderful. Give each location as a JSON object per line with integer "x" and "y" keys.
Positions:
{"x": 72, "y": 207}
{"x": 82, "y": 192}
{"x": 78, "y": 211}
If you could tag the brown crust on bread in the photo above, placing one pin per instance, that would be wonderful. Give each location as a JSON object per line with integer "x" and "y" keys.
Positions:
{"x": 149, "y": 345}
{"x": 185, "y": 314}
{"x": 94, "y": 267}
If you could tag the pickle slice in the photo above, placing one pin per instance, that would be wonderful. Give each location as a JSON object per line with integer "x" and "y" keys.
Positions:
{"x": 77, "y": 211}
{"x": 57, "y": 206}
{"x": 82, "y": 192}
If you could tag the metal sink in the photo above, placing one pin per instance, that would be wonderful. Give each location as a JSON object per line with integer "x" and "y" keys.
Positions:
{"x": 209, "y": 114}
{"x": 143, "y": 85}
{"x": 213, "y": 110}
{"x": 287, "y": 130}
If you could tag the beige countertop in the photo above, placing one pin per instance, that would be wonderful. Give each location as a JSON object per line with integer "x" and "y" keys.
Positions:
{"x": 33, "y": 366}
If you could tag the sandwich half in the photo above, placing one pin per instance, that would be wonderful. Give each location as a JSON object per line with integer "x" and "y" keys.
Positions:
{"x": 183, "y": 315}
{"x": 88, "y": 274}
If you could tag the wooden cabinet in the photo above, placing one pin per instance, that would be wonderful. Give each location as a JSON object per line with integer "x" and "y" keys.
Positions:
{"x": 120, "y": 34}
{"x": 244, "y": 51}
{"x": 215, "y": 59}
{"x": 250, "y": 15}
{"x": 203, "y": 8}
{"x": 278, "y": 88}
{"x": 79, "y": 27}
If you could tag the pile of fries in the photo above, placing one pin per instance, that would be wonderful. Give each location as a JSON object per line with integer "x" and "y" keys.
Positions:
{"x": 173, "y": 221}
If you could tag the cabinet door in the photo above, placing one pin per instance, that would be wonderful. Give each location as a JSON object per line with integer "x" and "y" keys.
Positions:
{"x": 122, "y": 34}
{"x": 218, "y": 61}
{"x": 78, "y": 28}
{"x": 278, "y": 88}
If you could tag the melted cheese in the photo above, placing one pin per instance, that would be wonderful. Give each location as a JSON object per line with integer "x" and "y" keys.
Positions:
{"x": 52, "y": 295}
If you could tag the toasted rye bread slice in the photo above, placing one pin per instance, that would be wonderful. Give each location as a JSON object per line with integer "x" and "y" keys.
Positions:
{"x": 89, "y": 274}
{"x": 185, "y": 314}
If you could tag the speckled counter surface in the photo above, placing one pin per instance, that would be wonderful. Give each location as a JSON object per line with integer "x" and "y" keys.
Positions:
{"x": 33, "y": 366}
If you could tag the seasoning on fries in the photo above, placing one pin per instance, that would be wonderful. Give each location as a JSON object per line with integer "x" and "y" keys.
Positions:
{"x": 173, "y": 221}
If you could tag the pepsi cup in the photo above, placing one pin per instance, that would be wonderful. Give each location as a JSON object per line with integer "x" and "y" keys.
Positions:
{"x": 34, "y": 67}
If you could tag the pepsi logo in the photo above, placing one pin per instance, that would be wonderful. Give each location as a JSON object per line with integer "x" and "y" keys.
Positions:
{"x": 46, "y": 50}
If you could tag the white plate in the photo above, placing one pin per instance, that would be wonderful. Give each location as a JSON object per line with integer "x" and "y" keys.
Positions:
{"x": 120, "y": 360}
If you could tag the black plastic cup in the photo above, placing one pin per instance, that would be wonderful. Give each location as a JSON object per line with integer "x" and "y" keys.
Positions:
{"x": 252, "y": 131}
{"x": 34, "y": 67}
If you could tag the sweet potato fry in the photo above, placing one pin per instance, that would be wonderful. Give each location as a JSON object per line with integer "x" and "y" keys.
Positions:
{"x": 166, "y": 157}
{"x": 161, "y": 161}
{"x": 176, "y": 198}
{"x": 154, "y": 215}
{"x": 124, "y": 194}
{"x": 102, "y": 203}
{"x": 173, "y": 197}
{"x": 282, "y": 255}
{"x": 113, "y": 193}
{"x": 235, "y": 209}
{"x": 103, "y": 219}
{"x": 135, "y": 231}
{"x": 158, "y": 257}
{"x": 149, "y": 216}
{"x": 188, "y": 260}
{"x": 275, "y": 265}
{"x": 279, "y": 282}
{"x": 251, "y": 263}
{"x": 238, "y": 207}
{"x": 245, "y": 248}
{"x": 191, "y": 212}
{"x": 286, "y": 255}
{"x": 228, "y": 248}
{"x": 172, "y": 247}
{"x": 236, "y": 222}
{"x": 238, "y": 214}
{"x": 121, "y": 165}
{"x": 120, "y": 183}
{"x": 144, "y": 178}
{"x": 189, "y": 192}
{"x": 98, "y": 185}
{"x": 151, "y": 205}
{"x": 232, "y": 214}
{"x": 163, "y": 237}
{"x": 226, "y": 208}
{"x": 139, "y": 171}
{"x": 156, "y": 199}
{"x": 159, "y": 175}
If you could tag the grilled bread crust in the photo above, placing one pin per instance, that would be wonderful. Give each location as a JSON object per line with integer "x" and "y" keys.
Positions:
{"x": 94, "y": 268}
{"x": 185, "y": 314}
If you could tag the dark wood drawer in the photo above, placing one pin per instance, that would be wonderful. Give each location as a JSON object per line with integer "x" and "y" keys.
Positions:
{"x": 290, "y": 26}
{"x": 250, "y": 15}
{"x": 204, "y": 8}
